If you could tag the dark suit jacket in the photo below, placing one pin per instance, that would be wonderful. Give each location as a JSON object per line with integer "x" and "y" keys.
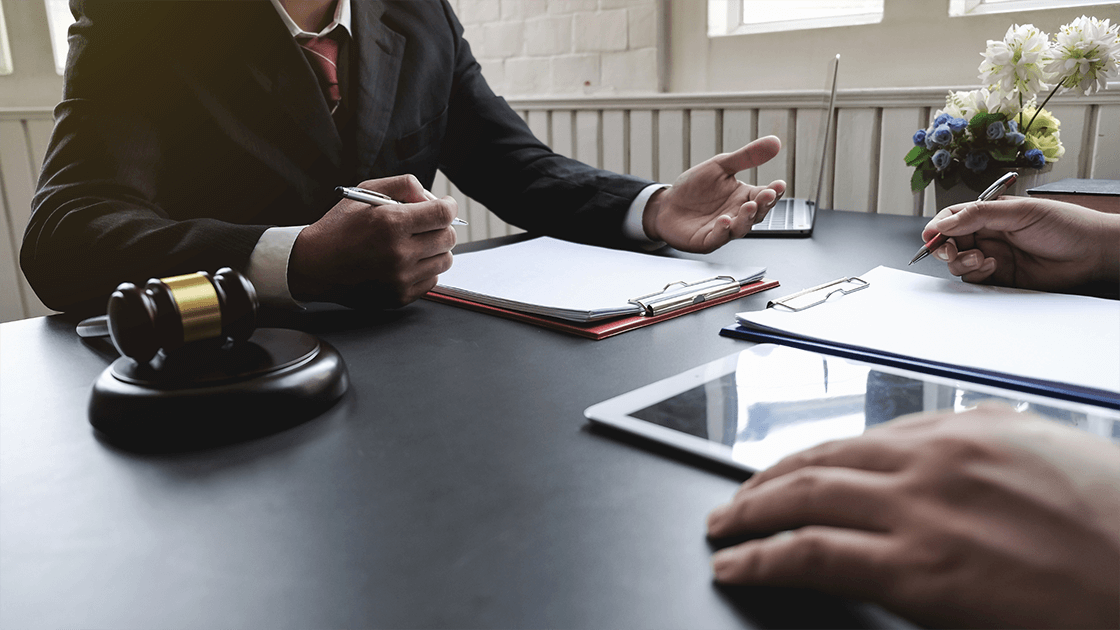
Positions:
{"x": 173, "y": 153}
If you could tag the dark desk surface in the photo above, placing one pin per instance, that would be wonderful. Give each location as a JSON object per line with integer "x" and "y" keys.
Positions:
{"x": 456, "y": 484}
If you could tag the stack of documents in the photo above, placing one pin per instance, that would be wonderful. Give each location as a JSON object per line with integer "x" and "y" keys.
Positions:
{"x": 579, "y": 283}
{"x": 1069, "y": 340}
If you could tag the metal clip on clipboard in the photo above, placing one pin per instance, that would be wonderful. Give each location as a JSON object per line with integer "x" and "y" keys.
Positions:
{"x": 678, "y": 295}
{"x": 820, "y": 294}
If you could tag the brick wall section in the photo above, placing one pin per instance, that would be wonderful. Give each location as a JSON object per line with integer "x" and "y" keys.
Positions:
{"x": 564, "y": 47}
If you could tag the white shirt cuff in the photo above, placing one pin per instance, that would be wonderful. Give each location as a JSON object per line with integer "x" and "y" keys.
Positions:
{"x": 268, "y": 266}
{"x": 632, "y": 226}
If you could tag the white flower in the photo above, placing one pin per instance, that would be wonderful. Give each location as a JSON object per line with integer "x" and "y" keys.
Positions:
{"x": 1012, "y": 68}
{"x": 1085, "y": 54}
{"x": 968, "y": 104}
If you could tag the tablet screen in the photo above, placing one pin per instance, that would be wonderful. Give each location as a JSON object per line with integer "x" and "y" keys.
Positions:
{"x": 755, "y": 407}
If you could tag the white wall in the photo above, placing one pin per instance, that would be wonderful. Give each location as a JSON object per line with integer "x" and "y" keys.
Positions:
{"x": 916, "y": 45}
{"x": 565, "y": 47}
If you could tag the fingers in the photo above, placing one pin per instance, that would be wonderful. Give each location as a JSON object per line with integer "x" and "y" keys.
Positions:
{"x": 837, "y": 497}
{"x": 835, "y": 560}
{"x": 403, "y": 188}
{"x": 758, "y": 152}
{"x": 972, "y": 266}
{"x": 871, "y": 452}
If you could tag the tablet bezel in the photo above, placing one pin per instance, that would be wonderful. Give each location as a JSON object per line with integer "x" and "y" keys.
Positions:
{"x": 616, "y": 412}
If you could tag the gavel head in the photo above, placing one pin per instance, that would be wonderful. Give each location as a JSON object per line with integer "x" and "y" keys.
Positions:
{"x": 168, "y": 313}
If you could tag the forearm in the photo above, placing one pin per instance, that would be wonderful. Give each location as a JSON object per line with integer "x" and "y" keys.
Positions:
{"x": 1109, "y": 247}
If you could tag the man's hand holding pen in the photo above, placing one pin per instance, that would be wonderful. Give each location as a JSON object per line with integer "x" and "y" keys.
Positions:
{"x": 367, "y": 255}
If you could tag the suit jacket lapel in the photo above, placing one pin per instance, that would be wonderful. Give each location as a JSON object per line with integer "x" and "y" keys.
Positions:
{"x": 277, "y": 65}
{"x": 378, "y": 54}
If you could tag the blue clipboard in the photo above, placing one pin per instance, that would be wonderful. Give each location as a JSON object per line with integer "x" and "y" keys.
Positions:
{"x": 1062, "y": 391}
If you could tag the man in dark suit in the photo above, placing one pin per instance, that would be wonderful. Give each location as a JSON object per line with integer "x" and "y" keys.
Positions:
{"x": 195, "y": 135}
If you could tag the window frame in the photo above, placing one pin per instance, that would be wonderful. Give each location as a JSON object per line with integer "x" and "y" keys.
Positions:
{"x": 968, "y": 8}
{"x": 725, "y": 18}
{"x": 6, "y": 67}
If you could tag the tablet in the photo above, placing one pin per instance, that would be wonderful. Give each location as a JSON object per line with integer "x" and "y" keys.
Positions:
{"x": 753, "y": 408}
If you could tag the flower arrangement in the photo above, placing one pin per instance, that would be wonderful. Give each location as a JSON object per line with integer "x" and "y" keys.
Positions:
{"x": 1002, "y": 125}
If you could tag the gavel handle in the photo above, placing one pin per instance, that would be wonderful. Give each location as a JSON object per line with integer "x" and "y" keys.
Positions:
{"x": 94, "y": 327}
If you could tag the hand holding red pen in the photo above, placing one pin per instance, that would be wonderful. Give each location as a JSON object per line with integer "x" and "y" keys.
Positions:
{"x": 1028, "y": 242}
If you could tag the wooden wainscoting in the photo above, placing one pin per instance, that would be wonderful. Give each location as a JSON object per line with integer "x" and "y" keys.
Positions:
{"x": 658, "y": 137}
{"x": 23, "y": 143}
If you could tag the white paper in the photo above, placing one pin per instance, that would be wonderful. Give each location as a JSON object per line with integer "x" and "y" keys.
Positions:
{"x": 1069, "y": 339}
{"x": 546, "y": 276}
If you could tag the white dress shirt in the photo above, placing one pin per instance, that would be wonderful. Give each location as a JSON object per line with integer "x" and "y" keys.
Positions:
{"x": 268, "y": 264}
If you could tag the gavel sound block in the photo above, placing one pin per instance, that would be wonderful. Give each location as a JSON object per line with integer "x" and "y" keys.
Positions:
{"x": 195, "y": 367}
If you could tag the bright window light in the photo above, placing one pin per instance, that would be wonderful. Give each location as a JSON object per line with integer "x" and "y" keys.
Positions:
{"x": 59, "y": 20}
{"x": 735, "y": 17}
{"x": 5, "y": 51}
{"x": 958, "y": 8}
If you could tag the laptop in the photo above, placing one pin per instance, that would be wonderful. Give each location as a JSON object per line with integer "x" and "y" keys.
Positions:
{"x": 796, "y": 217}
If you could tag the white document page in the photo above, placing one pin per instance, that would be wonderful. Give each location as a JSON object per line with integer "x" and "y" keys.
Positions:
{"x": 546, "y": 276}
{"x": 1062, "y": 338}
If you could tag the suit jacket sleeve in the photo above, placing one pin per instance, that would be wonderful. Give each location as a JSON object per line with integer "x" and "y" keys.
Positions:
{"x": 98, "y": 217}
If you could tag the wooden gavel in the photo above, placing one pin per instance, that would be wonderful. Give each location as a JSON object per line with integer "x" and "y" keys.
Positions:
{"x": 168, "y": 313}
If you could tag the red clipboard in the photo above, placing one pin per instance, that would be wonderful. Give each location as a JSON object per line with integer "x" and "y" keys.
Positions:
{"x": 602, "y": 329}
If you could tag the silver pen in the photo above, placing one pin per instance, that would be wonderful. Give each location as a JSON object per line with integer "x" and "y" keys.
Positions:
{"x": 375, "y": 198}
{"x": 993, "y": 191}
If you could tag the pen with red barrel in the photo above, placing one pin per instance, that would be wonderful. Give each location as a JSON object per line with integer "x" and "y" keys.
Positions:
{"x": 993, "y": 191}
{"x": 375, "y": 198}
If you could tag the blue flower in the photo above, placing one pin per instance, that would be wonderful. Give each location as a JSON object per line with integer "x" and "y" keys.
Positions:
{"x": 919, "y": 137}
{"x": 1015, "y": 138}
{"x": 1034, "y": 157}
{"x": 1013, "y": 126}
{"x": 957, "y": 124}
{"x": 942, "y": 158}
{"x": 942, "y": 135}
{"x": 996, "y": 131}
{"x": 976, "y": 161}
{"x": 941, "y": 120}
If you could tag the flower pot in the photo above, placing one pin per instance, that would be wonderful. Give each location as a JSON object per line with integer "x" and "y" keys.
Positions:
{"x": 962, "y": 193}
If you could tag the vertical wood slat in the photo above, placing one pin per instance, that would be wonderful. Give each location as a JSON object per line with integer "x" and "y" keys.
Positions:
{"x": 807, "y": 154}
{"x": 895, "y": 197}
{"x": 1074, "y": 120}
{"x": 588, "y": 136}
{"x": 672, "y": 149}
{"x": 562, "y": 132}
{"x": 19, "y": 165}
{"x": 777, "y": 122}
{"x": 740, "y": 126}
{"x": 1106, "y": 145}
{"x": 856, "y": 159}
{"x": 615, "y": 142}
{"x": 641, "y": 144}
{"x": 705, "y": 138}
{"x": 11, "y": 302}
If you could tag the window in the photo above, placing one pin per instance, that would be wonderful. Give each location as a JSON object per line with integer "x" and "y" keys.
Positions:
{"x": 958, "y": 8}
{"x": 59, "y": 20}
{"x": 5, "y": 51}
{"x": 736, "y": 17}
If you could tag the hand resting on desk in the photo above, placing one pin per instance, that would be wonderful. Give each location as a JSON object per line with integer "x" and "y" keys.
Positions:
{"x": 985, "y": 518}
{"x": 1028, "y": 243}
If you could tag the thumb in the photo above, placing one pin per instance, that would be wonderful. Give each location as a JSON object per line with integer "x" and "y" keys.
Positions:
{"x": 758, "y": 152}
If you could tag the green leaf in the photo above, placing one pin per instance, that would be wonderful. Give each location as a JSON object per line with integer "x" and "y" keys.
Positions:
{"x": 917, "y": 155}
{"x": 1004, "y": 154}
{"x": 979, "y": 123}
{"x": 921, "y": 178}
